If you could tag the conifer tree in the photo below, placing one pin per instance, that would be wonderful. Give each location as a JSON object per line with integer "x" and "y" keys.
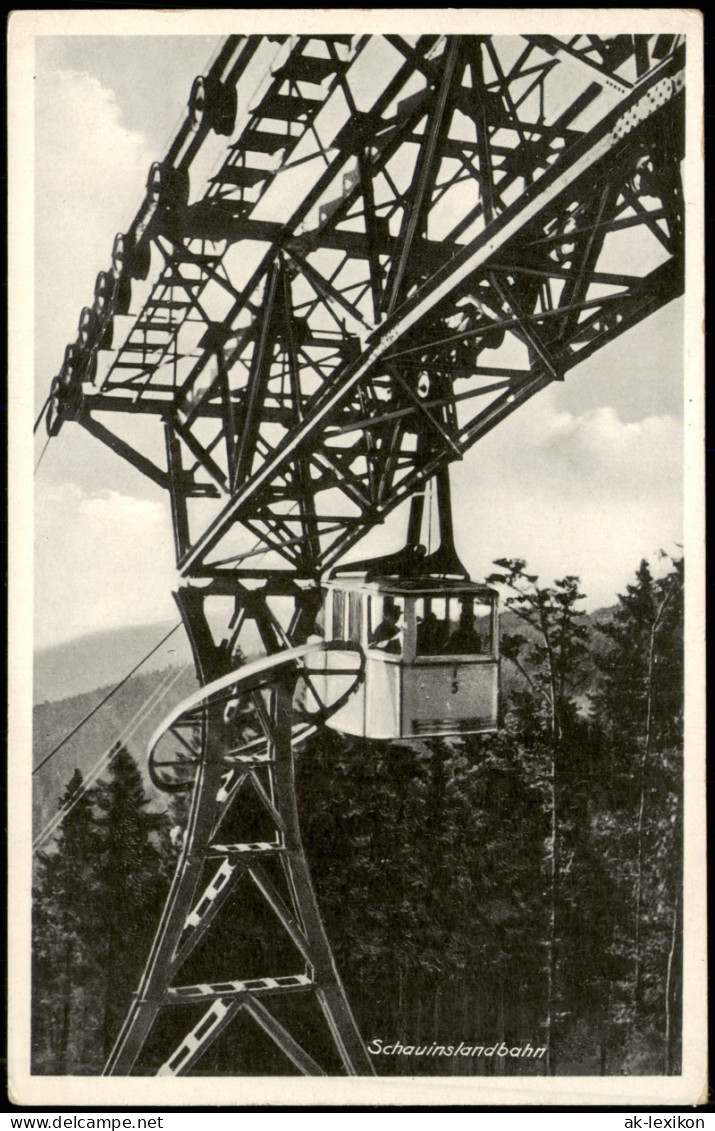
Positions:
{"x": 65, "y": 964}
{"x": 552, "y": 661}
{"x": 551, "y": 658}
{"x": 132, "y": 882}
{"x": 639, "y": 703}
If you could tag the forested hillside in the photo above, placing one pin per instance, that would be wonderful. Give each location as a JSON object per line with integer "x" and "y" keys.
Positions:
{"x": 522, "y": 887}
{"x": 66, "y": 670}
{"x": 129, "y": 716}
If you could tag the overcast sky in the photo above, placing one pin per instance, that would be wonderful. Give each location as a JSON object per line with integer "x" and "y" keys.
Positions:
{"x": 585, "y": 479}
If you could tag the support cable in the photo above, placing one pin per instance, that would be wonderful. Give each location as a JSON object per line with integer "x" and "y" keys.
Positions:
{"x": 106, "y": 699}
{"x": 137, "y": 719}
{"x": 42, "y": 455}
{"x": 43, "y": 410}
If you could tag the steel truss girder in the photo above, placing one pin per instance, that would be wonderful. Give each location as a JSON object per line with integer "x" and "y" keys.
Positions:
{"x": 501, "y": 241}
{"x": 308, "y": 462}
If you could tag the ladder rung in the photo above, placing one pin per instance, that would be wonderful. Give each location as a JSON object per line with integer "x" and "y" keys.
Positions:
{"x": 262, "y": 141}
{"x": 241, "y": 175}
{"x": 180, "y": 281}
{"x": 286, "y": 107}
{"x": 236, "y": 759}
{"x": 309, "y": 68}
{"x": 157, "y": 327}
{"x": 210, "y": 991}
{"x": 258, "y": 848}
{"x": 184, "y": 255}
{"x": 142, "y": 347}
{"x": 136, "y": 366}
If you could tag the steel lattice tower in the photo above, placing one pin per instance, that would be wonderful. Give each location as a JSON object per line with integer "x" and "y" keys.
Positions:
{"x": 402, "y": 241}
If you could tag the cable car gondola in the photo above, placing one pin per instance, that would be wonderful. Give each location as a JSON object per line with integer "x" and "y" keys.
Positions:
{"x": 431, "y": 655}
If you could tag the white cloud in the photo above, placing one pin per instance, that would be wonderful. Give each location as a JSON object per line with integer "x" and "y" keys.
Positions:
{"x": 102, "y": 560}
{"x": 90, "y": 173}
{"x": 586, "y": 494}
{"x": 598, "y": 449}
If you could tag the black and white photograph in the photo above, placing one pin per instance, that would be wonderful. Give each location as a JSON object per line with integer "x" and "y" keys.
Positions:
{"x": 356, "y": 606}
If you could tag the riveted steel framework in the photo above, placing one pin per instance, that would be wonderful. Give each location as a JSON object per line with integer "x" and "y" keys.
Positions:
{"x": 402, "y": 240}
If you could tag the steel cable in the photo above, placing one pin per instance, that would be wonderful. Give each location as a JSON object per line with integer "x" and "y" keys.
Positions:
{"x": 137, "y": 719}
{"x": 106, "y": 699}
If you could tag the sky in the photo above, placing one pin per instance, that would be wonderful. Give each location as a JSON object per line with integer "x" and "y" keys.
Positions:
{"x": 585, "y": 479}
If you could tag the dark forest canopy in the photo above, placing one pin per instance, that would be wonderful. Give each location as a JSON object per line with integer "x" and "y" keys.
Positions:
{"x": 524, "y": 887}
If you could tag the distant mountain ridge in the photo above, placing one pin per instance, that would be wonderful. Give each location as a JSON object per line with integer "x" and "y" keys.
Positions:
{"x": 72, "y": 678}
{"x": 102, "y": 658}
{"x": 105, "y": 657}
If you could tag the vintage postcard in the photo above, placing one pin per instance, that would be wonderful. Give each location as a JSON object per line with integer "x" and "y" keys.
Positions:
{"x": 357, "y": 676}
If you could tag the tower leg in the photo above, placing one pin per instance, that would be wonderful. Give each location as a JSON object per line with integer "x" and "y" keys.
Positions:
{"x": 245, "y": 739}
{"x": 331, "y": 994}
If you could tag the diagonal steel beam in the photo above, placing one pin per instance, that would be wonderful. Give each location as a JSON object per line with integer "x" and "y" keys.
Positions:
{"x": 257, "y": 381}
{"x": 413, "y": 218}
{"x": 280, "y": 1035}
